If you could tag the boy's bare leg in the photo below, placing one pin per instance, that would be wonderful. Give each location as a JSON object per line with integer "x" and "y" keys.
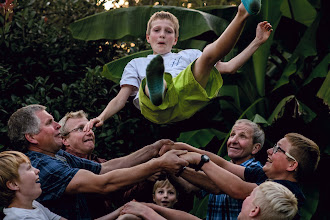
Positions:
{"x": 221, "y": 47}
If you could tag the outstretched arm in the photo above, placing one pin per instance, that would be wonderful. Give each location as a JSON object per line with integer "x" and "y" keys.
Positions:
{"x": 85, "y": 181}
{"x": 114, "y": 106}
{"x": 263, "y": 31}
{"x": 138, "y": 157}
{"x": 141, "y": 210}
{"x": 224, "y": 180}
{"x": 171, "y": 214}
{"x": 233, "y": 168}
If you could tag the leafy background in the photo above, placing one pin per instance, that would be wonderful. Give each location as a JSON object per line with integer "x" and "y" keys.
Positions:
{"x": 69, "y": 55}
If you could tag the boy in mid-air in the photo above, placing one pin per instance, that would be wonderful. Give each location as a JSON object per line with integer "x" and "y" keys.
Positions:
{"x": 170, "y": 87}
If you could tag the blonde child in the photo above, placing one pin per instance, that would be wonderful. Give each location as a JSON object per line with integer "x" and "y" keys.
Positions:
{"x": 19, "y": 187}
{"x": 170, "y": 87}
{"x": 164, "y": 193}
{"x": 268, "y": 201}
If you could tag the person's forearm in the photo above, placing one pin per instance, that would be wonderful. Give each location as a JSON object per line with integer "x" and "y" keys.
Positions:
{"x": 138, "y": 157}
{"x": 215, "y": 158}
{"x": 85, "y": 181}
{"x": 120, "y": 178}
{"x": 200, "y": 180}
{"x": 238, "y": 61}
{"x": 228, "y": 182}
{"x": 114, "y": 106}
{"x": 171, "y": 214}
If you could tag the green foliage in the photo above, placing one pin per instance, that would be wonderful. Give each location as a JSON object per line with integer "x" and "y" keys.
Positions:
{"x": 285, "y": 87}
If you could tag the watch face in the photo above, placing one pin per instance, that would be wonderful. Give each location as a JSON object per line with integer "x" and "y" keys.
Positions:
{"x": 205, "y": 158}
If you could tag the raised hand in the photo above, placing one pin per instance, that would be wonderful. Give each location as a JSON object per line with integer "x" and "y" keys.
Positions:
{"x": 192, "y": 158}
{"x": 264, "y": 29}
{"x": 171, "y": 162}
{"x": 174, "y": 146}
{"x": 159, "y": 144}
{"x": 97, "y": 122}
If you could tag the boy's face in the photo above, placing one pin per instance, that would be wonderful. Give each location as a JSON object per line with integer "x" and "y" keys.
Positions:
{"x": 278, "y": 163}
{"x": 28, "y": 184}
{"x": 165, "y": 196}
{"x": 249, "y": 210}
{"x": 162, "y": 36}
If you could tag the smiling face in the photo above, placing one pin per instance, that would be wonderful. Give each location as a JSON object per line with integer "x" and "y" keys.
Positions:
{"x": 78, "y": 140}
{"x": 162, "y": 36}
{"x": 278, "y": 165}
{"x": 28, "y": 185}
{"x": 240, "y": 143}
{"x": 165, "y": 196}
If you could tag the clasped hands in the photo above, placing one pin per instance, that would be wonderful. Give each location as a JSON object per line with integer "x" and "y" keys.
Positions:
{"x": 192, "y": 158}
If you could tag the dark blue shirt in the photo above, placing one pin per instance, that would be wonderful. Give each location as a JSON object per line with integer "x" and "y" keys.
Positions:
{"x": 55, "y": 175}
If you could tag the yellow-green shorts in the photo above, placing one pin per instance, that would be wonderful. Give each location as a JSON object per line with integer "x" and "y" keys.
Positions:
{"x": 183, "y": 98}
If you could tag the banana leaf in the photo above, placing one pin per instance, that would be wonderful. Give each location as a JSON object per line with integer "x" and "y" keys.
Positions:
{"x": 324, "y": 92}
{"x": 305, "y": 48}
{"x": 321, "y": 70}
{"x": 129, "y": 23}
{"x": 200, "y": 138}
{"x": 299, "y": 10}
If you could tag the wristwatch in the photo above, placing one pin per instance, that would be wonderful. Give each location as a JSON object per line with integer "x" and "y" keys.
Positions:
{"x": 204, "y": 159}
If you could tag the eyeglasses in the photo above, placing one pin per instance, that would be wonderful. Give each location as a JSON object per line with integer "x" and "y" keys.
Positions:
{"x": 276, "y": 148}
{"x": 78, "y": 129}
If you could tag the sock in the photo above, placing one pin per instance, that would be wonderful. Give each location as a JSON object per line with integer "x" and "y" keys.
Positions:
{"x": 252, "y": 6}
{"x": 155, "y": 83}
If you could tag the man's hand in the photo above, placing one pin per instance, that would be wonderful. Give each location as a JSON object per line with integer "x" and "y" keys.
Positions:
{"x": 159, "y": 144}
{"x": 171, "y": 162}
{"x": 192, "y": 158}
{"x": 175, "y": 146}
{"x": 97, "y": 122}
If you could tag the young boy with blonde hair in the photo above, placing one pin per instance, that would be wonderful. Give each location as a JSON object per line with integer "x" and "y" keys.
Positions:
{"x": 271, "y": 201}
{"x": 19, "y": 187}
{"x": 170, "y": 87}
{"x": 164, "y": 193}
{"x": 268, "y": 201}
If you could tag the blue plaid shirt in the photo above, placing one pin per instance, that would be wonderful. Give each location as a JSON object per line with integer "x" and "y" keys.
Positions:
{"x": 55, "y": 175}
{"x": 223, "y": 206}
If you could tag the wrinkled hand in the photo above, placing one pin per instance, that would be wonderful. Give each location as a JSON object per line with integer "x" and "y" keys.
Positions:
{"x": 97, "y": 122}
{"x": 128, "y": 217}
{"x": 134, "y": 208}
{"x": 159, "y": 144}
{"x": 264, "y": 29}
{"x": 171, "y": 162}
{"x": 192, "y": 158}
{"x": 175, "y": 146}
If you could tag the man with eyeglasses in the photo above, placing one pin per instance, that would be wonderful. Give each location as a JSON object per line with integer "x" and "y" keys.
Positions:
{"x": 81, "y": 143}
{"x": 65, "y": 178}
{"x": 293, "y": 159}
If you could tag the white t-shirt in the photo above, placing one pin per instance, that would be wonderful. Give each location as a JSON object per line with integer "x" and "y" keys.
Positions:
{"x": 39, "y": 212}
{"x": 135, "y": 70}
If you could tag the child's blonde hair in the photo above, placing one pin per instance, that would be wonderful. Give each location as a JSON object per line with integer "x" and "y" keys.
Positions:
{"x": 9, "y": 164}
{"x": 162, "y": 184}
{"x": 164, "y": 15}
{"x": 275, "y": 201}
